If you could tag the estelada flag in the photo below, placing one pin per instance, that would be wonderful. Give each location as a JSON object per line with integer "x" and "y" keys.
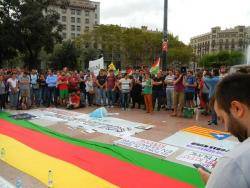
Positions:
{"x": 155, "y": 69}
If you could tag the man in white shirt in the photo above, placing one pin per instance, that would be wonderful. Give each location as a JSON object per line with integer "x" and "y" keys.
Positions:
{"x": 169, "y": 81}
{"x": 232, "y": 105}
{"x": 125, "y": 87}
{"x": 13, "y": 90}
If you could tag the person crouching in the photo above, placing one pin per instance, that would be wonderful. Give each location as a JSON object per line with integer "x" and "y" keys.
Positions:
{"x": 74, "y": 101}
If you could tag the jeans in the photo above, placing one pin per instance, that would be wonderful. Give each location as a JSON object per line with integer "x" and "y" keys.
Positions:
{"x": 124, "y": 100}
{"x": 111, "y": 97}
{"x": 14, "y": 99}
{"x": 51, "y": 94}
{"x": 169, "y": 94}
{"x": 35, "y": 96}
{"x": 42, "y": 95}
{"x": 101, "y": 96}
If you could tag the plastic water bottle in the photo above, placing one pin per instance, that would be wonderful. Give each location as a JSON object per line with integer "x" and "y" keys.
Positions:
{"x": 198, "y": 112}
{"x": 19, "y": 183}
{"x": 2, "y": 154}
{"x": 50, "y": 179}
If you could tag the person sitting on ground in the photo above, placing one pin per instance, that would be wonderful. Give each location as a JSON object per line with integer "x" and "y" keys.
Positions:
{"x": 232, "y": 105}
{"x": 74, "y": 101}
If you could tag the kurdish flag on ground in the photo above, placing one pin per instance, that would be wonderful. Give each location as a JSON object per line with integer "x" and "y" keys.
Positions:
{"x": 74, "y": 163}
{"x": 155, "y": 69}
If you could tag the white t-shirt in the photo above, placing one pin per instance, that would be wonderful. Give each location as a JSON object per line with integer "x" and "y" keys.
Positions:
{"x": 12, "y": 83}
{"x": 170, "y": 79}
{"x": 125, "y": 85}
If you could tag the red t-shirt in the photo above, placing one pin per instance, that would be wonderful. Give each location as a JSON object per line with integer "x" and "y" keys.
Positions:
{"x": 73, "y": 82}
{"x": 75, "y": 99}
{"x": 111, "y": 82}
{"x": 63, "y": 86}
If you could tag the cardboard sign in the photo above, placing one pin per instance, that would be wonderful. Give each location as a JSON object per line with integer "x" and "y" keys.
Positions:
{"x": 192, "y": 157}
{"x": 148, "y": 146}
{"x": 200, "y": 143}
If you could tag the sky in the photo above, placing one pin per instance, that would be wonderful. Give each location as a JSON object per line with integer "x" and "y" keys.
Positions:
{"x": 186, "y": 18}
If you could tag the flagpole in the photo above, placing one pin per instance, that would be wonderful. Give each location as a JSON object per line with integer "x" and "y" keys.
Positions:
{"x": 165, "y": 36}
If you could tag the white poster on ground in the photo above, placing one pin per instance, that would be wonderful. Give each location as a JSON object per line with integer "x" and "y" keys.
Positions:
{"x": 199, "y": 143}
{"x": 147, "y": 146}
{"x": 106, "y": 125}
{"x": 96, "y": 65}
{"x": 193, "y": 157}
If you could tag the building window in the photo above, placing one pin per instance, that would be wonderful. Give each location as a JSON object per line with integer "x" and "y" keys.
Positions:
{"x": 96, "y": 16}
{"x": 78, "y": 28}
{"x": 78, "y": 34}
{"x": 87, "y": 21}
{"x": 73, "y": 35}
{"x": 64, "y": 27}
{"x": 64, "y": 11}
{"x": 64, "y": 18}
{"x": 96, "y": 23}
{"x": 86, "y": 13}
{"x": 64, "y": 35}
{"x": 73, "y": 28}
{"x": 78, "y": 12}
{"x": 78, "y": 20}
{"x": 87, "y": 28}
{"x": 73, "y": 11}
{"x": 73, "y": 20}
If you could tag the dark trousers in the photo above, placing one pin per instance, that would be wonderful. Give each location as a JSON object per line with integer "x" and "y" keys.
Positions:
{"x": 51, "y": 95}
{"x": 2, "y": 101}
{"x": 90, "y": 97}
{"x": 124, "y": 98}
{"x": 158, "y": 95}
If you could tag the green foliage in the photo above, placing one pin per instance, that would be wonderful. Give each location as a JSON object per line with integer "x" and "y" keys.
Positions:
{"x": 27, "y": 26}
{"x": 136, "y": 46}
{"x": 222, "y": 58}
{"x": 65, "y": 55}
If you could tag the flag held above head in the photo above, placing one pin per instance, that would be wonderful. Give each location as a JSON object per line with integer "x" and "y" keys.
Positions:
{"x": 155, "y": 69}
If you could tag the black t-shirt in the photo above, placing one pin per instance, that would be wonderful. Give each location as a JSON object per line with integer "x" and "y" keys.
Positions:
{"x": 101, "y": 79}
{"x": 158, "y": 87}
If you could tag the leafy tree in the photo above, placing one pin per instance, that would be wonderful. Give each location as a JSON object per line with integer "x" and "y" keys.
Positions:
{"x": 65, "y": 55}
{"x": 136, "y": 46}
{"x": 222, "y": 58}
{"x": 27, "y": 26}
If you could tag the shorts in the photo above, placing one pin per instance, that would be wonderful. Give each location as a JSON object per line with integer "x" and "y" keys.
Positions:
{"x": 64, "y": 94}
{"x": 189, "y": 96}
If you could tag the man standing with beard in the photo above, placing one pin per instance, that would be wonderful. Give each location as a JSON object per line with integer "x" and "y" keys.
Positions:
{"x": 232, "y": 105}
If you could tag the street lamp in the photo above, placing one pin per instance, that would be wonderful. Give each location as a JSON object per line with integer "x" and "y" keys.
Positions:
{"x": 165, "y": 37}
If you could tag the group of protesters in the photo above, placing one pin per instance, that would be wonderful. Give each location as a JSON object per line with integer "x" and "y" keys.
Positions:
{"x": 170, "y": 90}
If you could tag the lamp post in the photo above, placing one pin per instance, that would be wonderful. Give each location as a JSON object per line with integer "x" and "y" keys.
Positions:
{"x": 165, "y": 37}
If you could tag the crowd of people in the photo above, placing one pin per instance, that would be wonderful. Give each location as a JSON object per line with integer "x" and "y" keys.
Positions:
{"x": 171, "y": 90}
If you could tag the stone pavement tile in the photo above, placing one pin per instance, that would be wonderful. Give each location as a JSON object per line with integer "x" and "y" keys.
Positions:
{"x": 10, "y": 174}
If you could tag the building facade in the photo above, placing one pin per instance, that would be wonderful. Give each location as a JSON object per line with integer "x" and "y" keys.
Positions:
{"x": 78, "y": 17}
{"x": 234, "y": 39}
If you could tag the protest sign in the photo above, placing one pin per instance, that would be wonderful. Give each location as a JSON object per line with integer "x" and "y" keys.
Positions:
{"x": 147, "y": 146}
{"x": 96, "y": 66}
{"x": 193, "y": 157}
{"x": 199, "y": 143}
{"x": 106, "y": 125}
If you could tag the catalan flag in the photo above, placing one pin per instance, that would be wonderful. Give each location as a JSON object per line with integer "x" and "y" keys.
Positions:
{"x": 210, "y": 133}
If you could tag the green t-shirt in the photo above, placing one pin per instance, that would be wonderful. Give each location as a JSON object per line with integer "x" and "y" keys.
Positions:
{"x": 148, "y": 87}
